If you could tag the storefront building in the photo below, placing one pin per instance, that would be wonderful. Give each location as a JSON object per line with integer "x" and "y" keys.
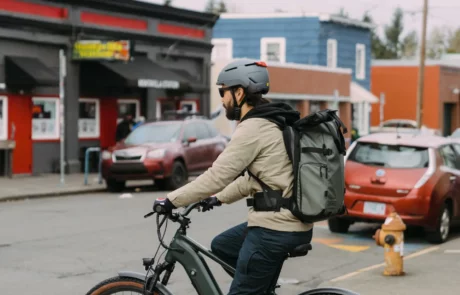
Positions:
{"x": 397, "y": 81}
{"x": 306, "y": 88}
{"x": 120, "y": 57}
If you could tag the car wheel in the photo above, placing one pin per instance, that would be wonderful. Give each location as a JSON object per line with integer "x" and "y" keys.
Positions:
{"x": 179, "y": 176}
{"x": 441, "y": 234}
{"x": 338, "y": 225}
{"x": 115, "y": 186}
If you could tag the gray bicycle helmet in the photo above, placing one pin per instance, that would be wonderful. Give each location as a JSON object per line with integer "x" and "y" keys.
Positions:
{"x": 252, "y": 75}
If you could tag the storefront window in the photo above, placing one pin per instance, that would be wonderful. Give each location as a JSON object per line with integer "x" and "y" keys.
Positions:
{"x": 128, "y": 106}
{"x": 45, "y": 121}
{"x": 88, "y": 122}
{"x": 3, "y": 118}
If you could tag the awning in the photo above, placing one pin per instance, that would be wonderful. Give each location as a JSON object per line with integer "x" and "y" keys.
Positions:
{"x": 196, "y": 86}
{"x": 361, "y": 94}
{"x": 29, "y": 71}
{"x": 141, "y": 72}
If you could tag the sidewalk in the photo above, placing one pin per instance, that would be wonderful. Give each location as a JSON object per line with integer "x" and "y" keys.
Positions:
{"x": 433, "y": 270}
{"x": 23, "y": 187}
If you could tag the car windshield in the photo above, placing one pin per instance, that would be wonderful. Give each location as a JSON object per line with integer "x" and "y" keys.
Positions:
{"x": 456, "y": 133}
{"x": 390, "y": 156}
{"x": 154, "y": 133}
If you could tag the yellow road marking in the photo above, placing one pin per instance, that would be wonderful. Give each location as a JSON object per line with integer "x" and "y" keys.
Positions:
{"x": 351, "y": 248}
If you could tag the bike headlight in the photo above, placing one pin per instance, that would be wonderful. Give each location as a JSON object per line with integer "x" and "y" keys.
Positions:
{"x": 156, "y": 154}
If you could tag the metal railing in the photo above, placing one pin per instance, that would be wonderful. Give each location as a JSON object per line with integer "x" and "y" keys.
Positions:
{"x": 87, "y": 152}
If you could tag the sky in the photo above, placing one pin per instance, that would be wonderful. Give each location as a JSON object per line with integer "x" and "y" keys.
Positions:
{"x": 441, "y": 12}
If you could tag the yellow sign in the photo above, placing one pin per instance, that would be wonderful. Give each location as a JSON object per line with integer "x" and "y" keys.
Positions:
{"x": 102, "y": 50}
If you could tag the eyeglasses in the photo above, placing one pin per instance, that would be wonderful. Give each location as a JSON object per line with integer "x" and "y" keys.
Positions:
{"x": 223, "y": 89}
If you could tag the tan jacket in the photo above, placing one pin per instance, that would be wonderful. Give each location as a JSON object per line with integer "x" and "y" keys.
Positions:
{"x": 256, "y": 144}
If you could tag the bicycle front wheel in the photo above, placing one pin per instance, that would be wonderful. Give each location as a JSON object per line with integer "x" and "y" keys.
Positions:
{"x": 329, "y": 291}
{"x": 119, "y": 285}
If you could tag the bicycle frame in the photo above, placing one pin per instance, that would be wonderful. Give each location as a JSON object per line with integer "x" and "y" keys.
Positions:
{"x": 190, "y": 254}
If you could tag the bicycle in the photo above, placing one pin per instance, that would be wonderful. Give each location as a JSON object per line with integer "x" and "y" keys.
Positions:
{"x": 189, "y": 254}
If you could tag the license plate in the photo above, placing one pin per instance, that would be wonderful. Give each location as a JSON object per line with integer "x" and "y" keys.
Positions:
{"x": 374, "y": 208}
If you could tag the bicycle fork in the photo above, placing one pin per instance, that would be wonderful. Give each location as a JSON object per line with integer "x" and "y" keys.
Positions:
{"x": 151, "y": 282}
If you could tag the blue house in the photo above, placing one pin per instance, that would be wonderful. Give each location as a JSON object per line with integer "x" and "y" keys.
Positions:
{"x": 312, "y": 39}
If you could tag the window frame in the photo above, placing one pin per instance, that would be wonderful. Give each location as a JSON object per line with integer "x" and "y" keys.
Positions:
{"x": 129, "y": 100}
{"x": 5, "y": 117}
{"x": 222, "y": 41}
{"x": 360, "y": 69}
{"x": 263, "y": 48}
{"x": 333, "y": 58}
{"x": 98, "y": 119}
{"x": 56, "y": 135}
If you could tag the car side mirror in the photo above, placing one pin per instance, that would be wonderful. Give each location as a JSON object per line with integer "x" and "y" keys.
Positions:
{"x": 191, "y": 139}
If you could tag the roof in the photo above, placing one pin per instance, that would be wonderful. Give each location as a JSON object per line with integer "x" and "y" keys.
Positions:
{"x": 289, "y": 65}
{"x": 414, "y": 63}
{"x": 146, "y": 9}
{"x": 423, "y": 140}
{"x": 361, "y": 94}
{"x": 323, "y": 17}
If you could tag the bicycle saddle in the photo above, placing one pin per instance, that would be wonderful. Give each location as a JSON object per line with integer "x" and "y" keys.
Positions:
{"x": 300, "y": 250}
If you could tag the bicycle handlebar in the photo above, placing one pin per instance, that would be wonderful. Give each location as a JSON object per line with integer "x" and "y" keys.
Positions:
{"x": 189, "y": 208}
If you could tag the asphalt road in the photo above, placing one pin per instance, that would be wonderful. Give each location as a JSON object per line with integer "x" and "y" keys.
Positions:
{"x": 67, "y": 245}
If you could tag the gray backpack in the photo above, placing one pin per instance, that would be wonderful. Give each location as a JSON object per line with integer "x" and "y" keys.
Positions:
{"x": 316, "y": 148}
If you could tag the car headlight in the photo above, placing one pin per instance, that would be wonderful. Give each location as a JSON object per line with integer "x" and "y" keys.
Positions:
{"x": 106, "y": 155}
{"x": 156, "y": 154}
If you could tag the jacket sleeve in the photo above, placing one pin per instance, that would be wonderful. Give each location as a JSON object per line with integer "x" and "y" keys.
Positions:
{"x": 240, "y": 188}
{"x": 240, "y": 152}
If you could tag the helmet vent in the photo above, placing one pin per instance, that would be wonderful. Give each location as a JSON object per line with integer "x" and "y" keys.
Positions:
{"x": 234, "y": 68}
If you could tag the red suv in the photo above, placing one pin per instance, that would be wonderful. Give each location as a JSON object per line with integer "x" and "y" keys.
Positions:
{"x": 418, "y": 176}
{"x": 166, "y": 152}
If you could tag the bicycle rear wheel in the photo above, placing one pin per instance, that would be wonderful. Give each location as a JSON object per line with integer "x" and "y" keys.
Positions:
{"x": 329, "y": 291}
{"x": 118, "y": 285}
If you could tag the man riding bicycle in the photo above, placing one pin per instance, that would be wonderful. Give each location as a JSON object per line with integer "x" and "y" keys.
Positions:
{"x": 258, "y": 247}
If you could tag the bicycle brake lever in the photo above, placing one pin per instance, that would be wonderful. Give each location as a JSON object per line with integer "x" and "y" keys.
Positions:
{"x": 149, "y": 214}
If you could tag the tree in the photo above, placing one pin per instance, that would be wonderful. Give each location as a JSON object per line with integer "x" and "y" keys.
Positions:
{"x": 222, "y": 8}
{"x": 167, "y": 3}
{"x": 393, "y": 34}
{"x": 219, "y": 8}
{"x": 409, "y": 45}
{"x": 210, "y": 6}
{"x": 378, "y": 49}
{"x": 453, "y": 43}
{"x": 342, "y": 13}
{"x": 436, "y": 43}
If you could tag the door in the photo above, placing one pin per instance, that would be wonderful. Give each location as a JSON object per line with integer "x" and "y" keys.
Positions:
{"x": 447, "y": 120}
{"x": 193, "y": 150}
{"x": 20, "y": 130}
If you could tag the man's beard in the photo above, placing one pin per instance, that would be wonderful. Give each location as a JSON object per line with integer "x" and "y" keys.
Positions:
{"x": 230, "y": 112}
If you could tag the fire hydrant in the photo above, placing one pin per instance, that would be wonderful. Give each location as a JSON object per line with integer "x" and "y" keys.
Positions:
{"x": 391, "y": 238}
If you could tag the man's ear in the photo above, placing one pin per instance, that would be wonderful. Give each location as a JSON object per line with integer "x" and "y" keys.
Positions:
{"x": 239, "y": 94}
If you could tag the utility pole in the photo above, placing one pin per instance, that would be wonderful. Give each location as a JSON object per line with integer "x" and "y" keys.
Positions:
{"x": 421, "y": 68}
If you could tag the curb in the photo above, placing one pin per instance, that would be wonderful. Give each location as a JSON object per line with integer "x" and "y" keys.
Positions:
{"x": 50, "y": 194}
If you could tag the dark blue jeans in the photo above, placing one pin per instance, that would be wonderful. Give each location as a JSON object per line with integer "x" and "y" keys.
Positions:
{"x": 257, "y": 255}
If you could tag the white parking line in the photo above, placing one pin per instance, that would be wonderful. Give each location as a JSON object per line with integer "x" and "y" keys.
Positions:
{"x": 415, "y": 254}
{"x": 452, "y": 251}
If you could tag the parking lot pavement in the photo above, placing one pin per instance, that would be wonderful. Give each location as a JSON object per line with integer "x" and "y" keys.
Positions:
{"x": 433, "y": 270}
{"x": 67, "y": 245}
